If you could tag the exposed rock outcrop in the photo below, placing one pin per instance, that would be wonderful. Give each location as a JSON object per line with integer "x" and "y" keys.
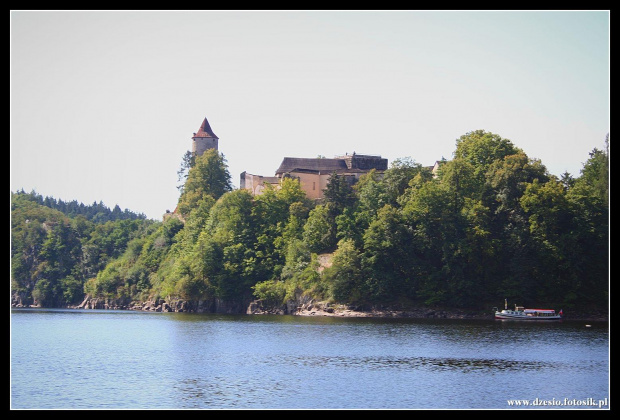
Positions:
{"x": 18, "y": 301}
{"x": 306, "y": 306}
{"x": 164, "y": 305}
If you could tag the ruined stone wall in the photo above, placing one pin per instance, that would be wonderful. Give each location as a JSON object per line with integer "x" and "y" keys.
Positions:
{"x": 256, "y": 184}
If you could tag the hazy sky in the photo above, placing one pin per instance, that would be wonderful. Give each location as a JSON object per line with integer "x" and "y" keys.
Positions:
{"x": 104, "y": 103}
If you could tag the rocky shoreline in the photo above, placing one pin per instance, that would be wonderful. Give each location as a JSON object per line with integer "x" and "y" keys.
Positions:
{"x": 302, "y": 306}
{"x": 312, "y": 308}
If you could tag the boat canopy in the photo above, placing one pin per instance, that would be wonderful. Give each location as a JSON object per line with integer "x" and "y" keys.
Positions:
{"x": 544, "y": 311}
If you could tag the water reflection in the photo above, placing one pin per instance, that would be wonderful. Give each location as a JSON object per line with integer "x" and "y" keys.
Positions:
{"x": 426, "y": 363}
{"x": 220, "y": 391}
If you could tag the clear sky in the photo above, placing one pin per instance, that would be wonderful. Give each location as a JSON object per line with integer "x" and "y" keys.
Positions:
{"x": 104, "y": 103}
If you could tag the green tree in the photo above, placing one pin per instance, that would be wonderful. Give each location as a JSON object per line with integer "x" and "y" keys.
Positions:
{"x": 319, "y": 232}
{"x": 435, "y": 213}
{"x": 459, "y": 180}
{"x": 272, "y": 292}
{"x": 60, "y": 254}
{"x": 509, "y": 176}
{"x": 275, "y": 214}
{"x": 387, "y": 257}
{"x": 396, "y": 179}
{"x": 595, "y": 174}
{"x": 187, "y": 162}
{"x": 208, "y": 177}
{"x": 372, "y": 194}
{"x": 225, "y": 249}
{"x": 480, "y": 149}
{"x": 339, "y": 194}
{"x": 546, "y": 206}
{"x": 344, "y": 277}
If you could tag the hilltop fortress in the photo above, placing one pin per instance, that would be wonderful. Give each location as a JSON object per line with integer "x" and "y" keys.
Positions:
{"x": 313, "y": 173}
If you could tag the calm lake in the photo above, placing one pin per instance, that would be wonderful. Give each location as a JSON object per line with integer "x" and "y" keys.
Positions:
{"x": 89, "y": 359}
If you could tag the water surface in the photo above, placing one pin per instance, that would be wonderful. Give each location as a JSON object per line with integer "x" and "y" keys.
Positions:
{"x": 85, "y": 359}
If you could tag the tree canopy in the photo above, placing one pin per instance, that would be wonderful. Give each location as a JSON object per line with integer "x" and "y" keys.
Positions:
{"x": 492, "y": 223}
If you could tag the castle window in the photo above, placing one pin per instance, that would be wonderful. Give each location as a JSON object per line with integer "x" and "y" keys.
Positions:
{"x": 313, "y": 186}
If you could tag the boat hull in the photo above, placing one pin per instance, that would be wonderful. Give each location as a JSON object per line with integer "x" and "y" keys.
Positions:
{"x": 521, "y": 313}
{"x": 524, "y": 317}
{"x": 529, "y": 318}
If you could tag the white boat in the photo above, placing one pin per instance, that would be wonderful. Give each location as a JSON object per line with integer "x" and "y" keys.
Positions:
{"x": 522, "y": 314}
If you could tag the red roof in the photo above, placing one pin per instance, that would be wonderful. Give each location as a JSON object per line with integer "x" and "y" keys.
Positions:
{"x": 205, "y": 131}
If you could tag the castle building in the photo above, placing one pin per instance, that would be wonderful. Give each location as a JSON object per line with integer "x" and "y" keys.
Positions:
{"x": 204, "y": 139}
{"x": 314, "y": 173}
{"x": 256, "y": 184}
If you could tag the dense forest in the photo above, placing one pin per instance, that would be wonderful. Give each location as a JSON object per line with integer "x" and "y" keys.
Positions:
{"x": 96, "y": 212}
{"x": 492, "y": 223}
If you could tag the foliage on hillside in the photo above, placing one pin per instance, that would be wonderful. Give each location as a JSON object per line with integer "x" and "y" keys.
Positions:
{"x": 96, "y": 212}
{"x": 492, "y": 224}
{"x": 52, "y": 254}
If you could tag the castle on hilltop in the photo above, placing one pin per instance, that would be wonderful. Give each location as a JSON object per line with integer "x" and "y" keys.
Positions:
{"x": 313, "y": 173}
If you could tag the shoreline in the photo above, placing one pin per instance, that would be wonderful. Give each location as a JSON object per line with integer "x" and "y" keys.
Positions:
{"x": 349, "y": 313}
{"x": 441, "y": 314}
{"x": 311, "y": 309}
{"x": 340, "y": 310}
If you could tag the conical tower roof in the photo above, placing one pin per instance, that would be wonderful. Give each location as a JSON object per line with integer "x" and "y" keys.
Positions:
{"x": 205, "y": 131}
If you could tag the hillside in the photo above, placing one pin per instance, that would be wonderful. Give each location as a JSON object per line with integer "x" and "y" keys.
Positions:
{"x": 491, "y": 224}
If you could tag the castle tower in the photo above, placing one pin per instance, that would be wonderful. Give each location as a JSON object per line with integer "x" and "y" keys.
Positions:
{"x": 204, "y": 139}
